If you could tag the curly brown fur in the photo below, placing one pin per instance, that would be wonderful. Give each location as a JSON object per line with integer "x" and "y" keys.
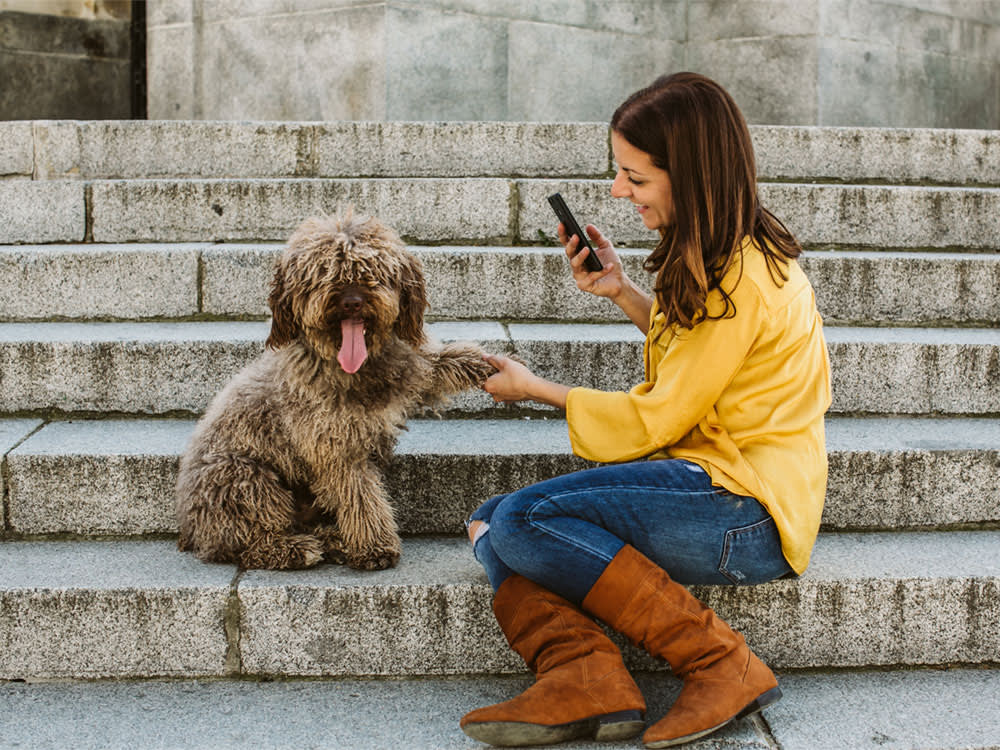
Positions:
{"x": 284, "y": 468}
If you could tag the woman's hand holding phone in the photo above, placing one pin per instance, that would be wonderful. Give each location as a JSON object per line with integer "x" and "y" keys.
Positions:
{"x": 608, "y": 282}
{"x": 611, "y": 283}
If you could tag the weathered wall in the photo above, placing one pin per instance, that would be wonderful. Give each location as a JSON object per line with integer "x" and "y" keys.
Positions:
{"x": 828, "y": 62}
{"x": 65, "y": 59}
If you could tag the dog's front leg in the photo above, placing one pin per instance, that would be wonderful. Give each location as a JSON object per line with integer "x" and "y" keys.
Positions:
{"x": 456, "y": 367}
{"x": 369, "y": 538}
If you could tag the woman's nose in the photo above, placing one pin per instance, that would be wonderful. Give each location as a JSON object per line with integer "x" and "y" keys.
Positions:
{"x": 619, "y": 188}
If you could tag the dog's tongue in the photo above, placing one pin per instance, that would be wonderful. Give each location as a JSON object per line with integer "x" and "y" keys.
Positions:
{"x": 353, "y": 351}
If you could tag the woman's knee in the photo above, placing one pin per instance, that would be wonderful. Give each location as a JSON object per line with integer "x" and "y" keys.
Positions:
{"x": 511, "y": 520}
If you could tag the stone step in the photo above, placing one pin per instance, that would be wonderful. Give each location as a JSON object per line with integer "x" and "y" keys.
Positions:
{"x": 165, "y": 368}
{"x": 82, "y": 610}
{"x": 124, "y": 281}
{"x": 949, "y": 709}
{"x": 148, "y": 149}
{"x": 434, "y": 210}
{"x": 116, "y": 477}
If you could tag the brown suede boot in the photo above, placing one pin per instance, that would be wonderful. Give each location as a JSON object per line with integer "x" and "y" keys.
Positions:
{"x": 581, "y": 689}
{"x": 723, "y": 679}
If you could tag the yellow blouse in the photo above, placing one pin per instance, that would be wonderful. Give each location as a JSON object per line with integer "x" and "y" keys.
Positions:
{"x": 742, "y": 397}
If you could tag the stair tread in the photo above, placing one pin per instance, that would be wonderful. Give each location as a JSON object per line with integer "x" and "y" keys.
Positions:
{"x": 447, "y": 561}
{"x": 483, "y": 436}
{"x": 240, "y": 330}
{"x": 932, "y": 709}
{"x": 142, "y": 608}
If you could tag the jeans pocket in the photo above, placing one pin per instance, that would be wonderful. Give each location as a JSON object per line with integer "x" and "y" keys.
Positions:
{"x": 752, "y": 554}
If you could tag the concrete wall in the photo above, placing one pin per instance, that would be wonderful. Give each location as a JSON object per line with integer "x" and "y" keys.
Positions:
{"x": 65, "y": 59}
{"x": 920, "y": 63}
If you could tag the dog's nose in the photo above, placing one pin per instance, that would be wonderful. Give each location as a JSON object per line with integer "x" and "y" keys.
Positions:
{"x": 350, "y": 304}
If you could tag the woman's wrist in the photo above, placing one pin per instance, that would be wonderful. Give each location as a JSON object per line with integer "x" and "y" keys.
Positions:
{"x": 635, "y": 303}
{"x": 547, "y": 392}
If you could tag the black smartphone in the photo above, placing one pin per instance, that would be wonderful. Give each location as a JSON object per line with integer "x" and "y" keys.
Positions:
{"x": 592, "y": 262}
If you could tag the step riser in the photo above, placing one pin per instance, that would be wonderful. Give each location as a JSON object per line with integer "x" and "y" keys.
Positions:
{"x": 121, "y": 495}
{"x": 484, "y": 210}
{"x": 94, "y": 150}
{"x": 169, "y": 375}
{"x": 333, "y": 622}
{"x": 124, "y": 282}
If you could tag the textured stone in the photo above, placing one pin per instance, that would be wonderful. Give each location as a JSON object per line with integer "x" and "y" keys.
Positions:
{"x": 141, "y": 368}
{"x": 269, "y": 210}
{"x": 522, "y": 283}
{"x": 902, "y": 707}
{"x": 497, "y": 282}
{"x": 886, "y": 155}
{"x": 905, "y": 288}
{"x": 236, "y": 279}
{"x": 867, "y": 600}
{"x": 875, "y": 600}
{"x": 52, "y": 66}
{"x": 423, "y": 49}
{"x": 334, "y": 621}
{"x": 560, "y": 72}
{"x": 41, "y": 211}
{"x": 16, "y": 157}
{"x": 97, "y": 609}
{"x": 945, "y": 709}
{"x": 772, "y": 76}
{"x": 461, "y": 150}
{"x": 841, "y": 215}
{"x": 152, "y": 368}
{"x": 117, "y": 476}
{"x": 345, "y": 713}
{"x": 12, "y": 432}
{"x": 257, "y": 63}
{"x": 104, "y": 281}
{"x": 914, "y": 370}
{"x": 171, "y": 72}
{"x": 163, "y": 149}
{"x": 97, "y": 478}
{"x": 152, "y": 150}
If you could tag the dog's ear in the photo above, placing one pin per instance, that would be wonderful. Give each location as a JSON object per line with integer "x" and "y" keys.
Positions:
{"x": 412, "y": 302}
{"x": 283, "y": 327}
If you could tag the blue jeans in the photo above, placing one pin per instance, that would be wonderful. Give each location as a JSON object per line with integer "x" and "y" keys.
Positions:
{"x": 563, "y": 532}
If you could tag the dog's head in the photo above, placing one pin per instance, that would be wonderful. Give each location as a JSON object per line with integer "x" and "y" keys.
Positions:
{"x": 345, "y": 287}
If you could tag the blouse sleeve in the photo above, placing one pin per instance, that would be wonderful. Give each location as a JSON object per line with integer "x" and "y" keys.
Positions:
{"x": 690, "y": 376}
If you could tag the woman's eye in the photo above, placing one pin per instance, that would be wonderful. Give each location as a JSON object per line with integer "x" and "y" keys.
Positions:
{"x": 634, "y": 181}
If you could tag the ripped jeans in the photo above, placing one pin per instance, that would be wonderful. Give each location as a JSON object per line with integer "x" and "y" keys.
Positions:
{"x": 563, "y": 532}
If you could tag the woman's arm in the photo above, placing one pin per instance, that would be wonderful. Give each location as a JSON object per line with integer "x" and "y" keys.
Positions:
{"x": 515, "y": 382}
{"x": 612, "y": 283}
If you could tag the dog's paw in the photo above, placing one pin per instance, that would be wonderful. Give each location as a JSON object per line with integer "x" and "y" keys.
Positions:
{"x": 333, "y": 544}
{"x": 285, "y": 552}
{"x": 377, "y": 559}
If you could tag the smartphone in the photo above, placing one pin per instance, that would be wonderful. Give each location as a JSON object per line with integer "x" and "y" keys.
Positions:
{"x": 592, "y": 262}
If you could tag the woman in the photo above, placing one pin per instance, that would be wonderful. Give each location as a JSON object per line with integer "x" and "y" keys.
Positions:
{"x": 717, "y": 463}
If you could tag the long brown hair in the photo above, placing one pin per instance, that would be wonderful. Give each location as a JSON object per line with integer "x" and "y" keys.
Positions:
{"x": 692, "y": 129}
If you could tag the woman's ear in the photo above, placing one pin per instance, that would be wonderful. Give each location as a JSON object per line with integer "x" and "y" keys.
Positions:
{"x": 283, "y": 327}
{"x": 412, "y": 302}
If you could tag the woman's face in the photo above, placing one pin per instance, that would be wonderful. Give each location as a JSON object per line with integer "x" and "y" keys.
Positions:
{"x": 643, "y": 183}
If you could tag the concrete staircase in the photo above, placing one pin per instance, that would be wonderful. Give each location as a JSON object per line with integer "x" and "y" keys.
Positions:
{"x": 134, "y": 263}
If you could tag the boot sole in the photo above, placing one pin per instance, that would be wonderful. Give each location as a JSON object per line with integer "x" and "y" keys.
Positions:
{"x": 764, "y": 700}
{"x": 621, "y": 725}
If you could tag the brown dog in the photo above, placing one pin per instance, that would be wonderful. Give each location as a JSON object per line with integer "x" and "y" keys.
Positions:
{"x": 284, "y": 469}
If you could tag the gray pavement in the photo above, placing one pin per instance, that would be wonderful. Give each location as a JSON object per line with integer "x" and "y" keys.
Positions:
{"x": 906, "y": 710}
